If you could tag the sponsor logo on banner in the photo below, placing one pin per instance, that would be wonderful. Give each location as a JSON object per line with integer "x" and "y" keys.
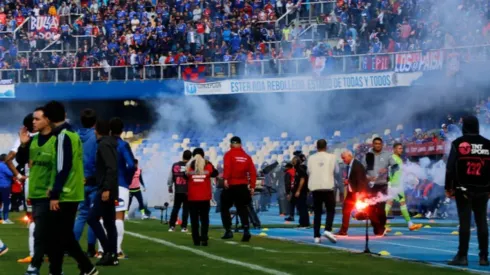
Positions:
{"x": 191, "y": 88}
{"x": 44, "y": 26}
{"x": 7, "y": 89}
{"x": 376, "y": 63}
{"x": 419, "y": 61}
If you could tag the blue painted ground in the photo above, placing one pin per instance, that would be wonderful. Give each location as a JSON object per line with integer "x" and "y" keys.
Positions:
{"x": 435, "y": 245}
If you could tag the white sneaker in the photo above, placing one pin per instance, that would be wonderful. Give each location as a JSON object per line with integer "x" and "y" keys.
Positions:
{"x": 184, "y": 230}
{"x": 145, "y": 217}
{"x": 317, "y": 240}
{"x": 8, "y": 222}
{"x": 171, "y": 229}
{"x": 330, "y": 236}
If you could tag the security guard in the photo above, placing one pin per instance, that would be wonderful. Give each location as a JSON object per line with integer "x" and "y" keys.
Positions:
{"x": 468, "y": 180}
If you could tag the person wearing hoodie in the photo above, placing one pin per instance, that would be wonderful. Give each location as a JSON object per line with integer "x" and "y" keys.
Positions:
{"x": 107, "y": 194}
{"x": 88, "y": 119}
{"x": 5, "y": 187}
{"x": 468, "y": 181}
{"x": 238, "y": 173}
{"x": 66, "y": 192}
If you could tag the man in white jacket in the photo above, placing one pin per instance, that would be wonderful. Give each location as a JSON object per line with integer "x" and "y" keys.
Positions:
{"x": 322, "y": 167}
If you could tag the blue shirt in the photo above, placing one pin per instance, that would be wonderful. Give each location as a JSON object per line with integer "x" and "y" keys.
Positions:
{"x": 5, "y": 176}
{"x": 125, "y": 163}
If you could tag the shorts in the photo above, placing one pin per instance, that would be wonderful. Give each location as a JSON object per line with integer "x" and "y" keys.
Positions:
{"x": 123, "y": 201}
{"x": 26, "y": 194}
{"x": 400, "y": 197}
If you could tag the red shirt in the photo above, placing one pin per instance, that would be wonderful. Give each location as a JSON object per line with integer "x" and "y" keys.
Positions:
{"x": 199, "y": 186}
{"x": 238, "y": 168}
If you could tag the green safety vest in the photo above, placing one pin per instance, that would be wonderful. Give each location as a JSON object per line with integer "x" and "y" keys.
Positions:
{"x": 43, "y": 168}
{"x": 397, "y": 175}
{"x": 73, "y": 190}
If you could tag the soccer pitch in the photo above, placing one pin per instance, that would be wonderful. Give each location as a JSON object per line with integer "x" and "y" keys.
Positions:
{"x": 153, "y": 250}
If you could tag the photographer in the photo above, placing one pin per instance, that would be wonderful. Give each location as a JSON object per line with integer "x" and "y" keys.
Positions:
{"x": 178, "y": 178}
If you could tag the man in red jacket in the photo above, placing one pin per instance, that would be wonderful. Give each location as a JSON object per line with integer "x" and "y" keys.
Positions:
{"x": 238, "y": 172}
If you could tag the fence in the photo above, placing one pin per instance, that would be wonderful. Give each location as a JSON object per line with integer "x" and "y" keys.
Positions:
{"x": 448, "y": 60}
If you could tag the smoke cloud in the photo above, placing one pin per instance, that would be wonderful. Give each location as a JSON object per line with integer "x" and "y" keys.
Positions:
{"x": 320, "y": 114}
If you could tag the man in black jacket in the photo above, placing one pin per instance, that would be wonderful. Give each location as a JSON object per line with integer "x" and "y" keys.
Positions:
{"x": 356, "y": 185}
{"x": 107, "y": 195}
{"x": 178, "y": 178}
{"x": 468, "y": 180}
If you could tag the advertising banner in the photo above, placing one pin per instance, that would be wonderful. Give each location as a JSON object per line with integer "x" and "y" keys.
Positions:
{"x": 294, "y": 84}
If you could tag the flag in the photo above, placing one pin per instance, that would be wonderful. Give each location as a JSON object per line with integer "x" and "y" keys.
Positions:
{"x": 195, "y": 73}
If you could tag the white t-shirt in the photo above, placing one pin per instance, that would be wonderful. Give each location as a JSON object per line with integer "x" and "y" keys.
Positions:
{"x": 16, "y": 145}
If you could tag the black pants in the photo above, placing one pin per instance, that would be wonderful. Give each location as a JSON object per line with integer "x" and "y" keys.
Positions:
{"x": 41, "y": 217}
{"x": 199, "y": 211}
{"x": 106, "y": 211}
{"x": 301, "y": 205}
{"x": 139, "y": 197}
{"x": 377, "y": 212}
{"x": 465, "y": 205}
{"x": 237, "y": 195}
{"x": 180, "y": 199}
{"x": 347, "y": 207}
{"x": 63, "y": 239}
{"x": 321, "y": 198}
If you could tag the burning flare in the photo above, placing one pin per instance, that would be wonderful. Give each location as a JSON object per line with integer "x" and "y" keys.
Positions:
{"x": 361, "y": 205}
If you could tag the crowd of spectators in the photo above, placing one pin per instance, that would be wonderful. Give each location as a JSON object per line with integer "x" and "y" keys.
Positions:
{"x": 172, "y": 32}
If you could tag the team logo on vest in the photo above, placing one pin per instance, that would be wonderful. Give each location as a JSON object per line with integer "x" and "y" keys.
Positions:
{"x": 475, "y": 149}
{"x": 464, "y": 148}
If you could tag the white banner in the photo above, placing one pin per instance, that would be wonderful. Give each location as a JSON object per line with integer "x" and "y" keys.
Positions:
{"x": 7, "y": 89}
{"x": 294, "y": 84}
{"x": 209, "y": 88}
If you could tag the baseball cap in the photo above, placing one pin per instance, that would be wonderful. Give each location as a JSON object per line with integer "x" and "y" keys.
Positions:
{"x": 235, "y": 140}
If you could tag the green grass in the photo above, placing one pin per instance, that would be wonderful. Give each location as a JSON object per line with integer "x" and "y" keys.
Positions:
{"x": 147, "y": 257}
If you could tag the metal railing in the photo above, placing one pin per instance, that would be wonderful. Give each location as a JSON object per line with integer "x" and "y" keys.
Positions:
{"x": 251, "y": 68}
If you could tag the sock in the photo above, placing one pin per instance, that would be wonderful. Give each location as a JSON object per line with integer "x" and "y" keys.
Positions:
{"x": 101, "y": 249}
{"x": 387, "y": 208}
{"x": 31, "y": 268}
{"x": 142, "y": 211}
{"x": 32, "y": 226}
{"x": 405, "y": 213}
{"x": 1, "y": 243}
{"x": 120, "y": 234}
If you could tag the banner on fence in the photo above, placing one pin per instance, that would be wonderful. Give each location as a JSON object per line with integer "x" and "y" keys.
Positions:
{"x": 45, "y": 27}
{"x": 376, "y": 63}
{"x": 7, "y": 88}
{"x": 424, "y": 149}
{"x": 419, "y": 61}
{"x": 209, "y": 88}
{"x": 294, "y": 84}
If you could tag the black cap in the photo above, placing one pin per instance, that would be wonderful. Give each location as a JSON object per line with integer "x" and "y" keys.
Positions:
{"x": 235, "y": 140}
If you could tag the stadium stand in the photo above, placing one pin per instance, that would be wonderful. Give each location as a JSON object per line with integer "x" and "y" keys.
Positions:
{"x": 250, "y": 35}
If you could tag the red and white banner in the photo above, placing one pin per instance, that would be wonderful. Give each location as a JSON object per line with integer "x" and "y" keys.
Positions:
{"x": 419, "y": 61}
{"x": 425, "y": 149}
{"x": 376, "y": 63}
{"x": 44, "y": 27}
